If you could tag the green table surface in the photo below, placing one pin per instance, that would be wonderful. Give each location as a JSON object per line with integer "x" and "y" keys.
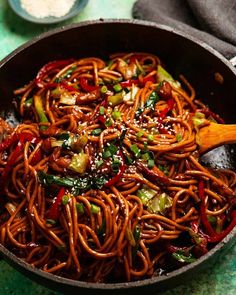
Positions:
{"x": 220, "y": 278}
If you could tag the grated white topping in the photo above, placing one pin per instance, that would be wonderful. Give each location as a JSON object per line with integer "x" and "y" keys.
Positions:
{"x": 46, "y": 8}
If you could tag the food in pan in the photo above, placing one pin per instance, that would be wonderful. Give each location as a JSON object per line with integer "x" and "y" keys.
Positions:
{"x": 102, "y": 180}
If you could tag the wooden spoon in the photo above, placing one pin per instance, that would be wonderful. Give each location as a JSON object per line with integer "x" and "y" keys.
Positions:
{"x": 214, "y": 135}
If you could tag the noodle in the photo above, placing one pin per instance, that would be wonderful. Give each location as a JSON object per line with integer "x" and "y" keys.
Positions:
{"x": 102, "y": 179}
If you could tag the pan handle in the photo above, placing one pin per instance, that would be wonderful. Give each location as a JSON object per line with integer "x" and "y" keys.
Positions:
{"x": 233, "y": 61}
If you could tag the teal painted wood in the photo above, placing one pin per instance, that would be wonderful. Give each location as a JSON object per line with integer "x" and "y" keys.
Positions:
{"x": 219, "y": 279}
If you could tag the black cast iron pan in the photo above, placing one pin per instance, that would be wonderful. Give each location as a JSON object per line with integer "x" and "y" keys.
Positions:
{"x": 182, "y": 54}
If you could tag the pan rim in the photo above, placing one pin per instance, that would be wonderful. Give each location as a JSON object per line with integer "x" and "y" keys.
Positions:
{"x": 124, "y": 285}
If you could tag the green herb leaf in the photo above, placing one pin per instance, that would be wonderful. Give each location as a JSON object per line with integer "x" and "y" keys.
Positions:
{"x": 110, "y": 151}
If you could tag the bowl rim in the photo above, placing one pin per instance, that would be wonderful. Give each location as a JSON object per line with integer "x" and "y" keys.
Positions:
{"x": 79, "y": 4}
{"x": 124, "y": 285}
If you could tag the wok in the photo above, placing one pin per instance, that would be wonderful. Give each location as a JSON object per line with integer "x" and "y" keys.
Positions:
{"x": 181, "y": 54}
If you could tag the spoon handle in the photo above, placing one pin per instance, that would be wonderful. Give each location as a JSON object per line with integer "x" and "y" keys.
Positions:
{"x": 215, "y": 135}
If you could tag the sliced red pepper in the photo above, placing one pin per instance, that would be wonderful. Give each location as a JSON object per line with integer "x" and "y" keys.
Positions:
{"x": 173, "y": 249}
{"x": 54, "y": 210}
{"x": 49, "y": 67}
{"x": 18, "y": 150}
{"x": 62, "y": 84}
{"x": 37, "y": 157}
{"x": 102, "y": 119}
{"x": 149, "y": 79}
{"x": 51, "y": 85}
{"x": 218, "y": 237}
{"x": 67, "y": 87}
{"x": 209, "y": 113}
{"x": 163, "y": 113}
{"x": 9, "y": 141}
{"x": 214, "y": 237}
{"x": 152, "y": 175}
{"x": 85, "y": 85}
{"x": 142, "y": 82}
{"x": 120, "y": 173}
{"x": 129, "y": 83}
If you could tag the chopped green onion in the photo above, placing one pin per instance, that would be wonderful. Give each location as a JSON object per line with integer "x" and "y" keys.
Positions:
{"x": 95, "y": 209}
{"x": 151, "y": 163}
{"x": 50, "y": 221}
{"x": 116, "y": 164}
{"x": 117, "y": 88}
{"x": 140, "y": 133}
{"x": 134, "y": 148}
{"x": 108, "y": 123}
{"x": 106, "y": 154}
{"x": 181, "y": 257}
{"x": 178, "y": 137}
{"x": 99, "y": 163}
{"x": 103, "y": 89}
{"x": 150, "y": 137}
{"x": 128, "y": 160}
{"x": 109, "y": 151}
{"x": 65, "y": 199}
{"x": 29, "y": 102}
{"x": 80, "y": 208}
{"x": 40, "y": 111}
{"x": 116, "y": 161}
{"x": 148, "y": 156}
{"x": 116, "y": 115}
{"x": 101, "y": 110}
{"x": 96, "y": 132}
